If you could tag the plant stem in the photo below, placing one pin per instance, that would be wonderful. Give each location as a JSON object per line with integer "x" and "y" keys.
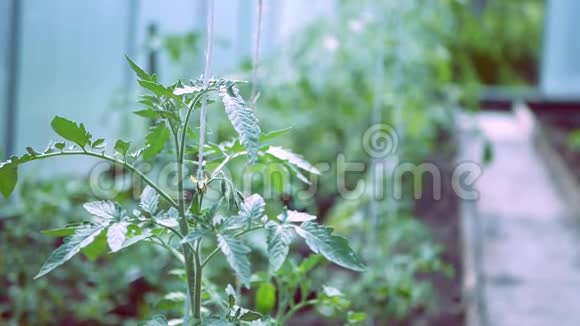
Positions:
{"x": 184, "y": 230}
{"x": 295, "y": 309}
{"x": 112, "y": 160}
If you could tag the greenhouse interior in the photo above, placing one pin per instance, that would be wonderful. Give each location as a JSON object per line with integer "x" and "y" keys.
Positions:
{"x": 290, "y": 162}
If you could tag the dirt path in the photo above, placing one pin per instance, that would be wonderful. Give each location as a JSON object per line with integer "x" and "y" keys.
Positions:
{"x": 523, "y": 245}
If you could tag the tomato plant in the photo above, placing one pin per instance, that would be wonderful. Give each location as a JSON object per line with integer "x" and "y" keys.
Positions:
{"x": 192, "y": 225}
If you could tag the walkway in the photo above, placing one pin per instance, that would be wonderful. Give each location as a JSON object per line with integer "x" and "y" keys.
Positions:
{"x": 523, "y": 245}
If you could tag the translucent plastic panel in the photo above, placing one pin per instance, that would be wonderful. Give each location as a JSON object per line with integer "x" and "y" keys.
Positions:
{"x": 4, "y": 30}
{"x": 561, "y": 62}
{"x": 71, "y": 64}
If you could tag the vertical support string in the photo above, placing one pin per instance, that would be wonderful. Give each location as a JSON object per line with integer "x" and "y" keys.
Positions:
{"x": 207, "y": 70}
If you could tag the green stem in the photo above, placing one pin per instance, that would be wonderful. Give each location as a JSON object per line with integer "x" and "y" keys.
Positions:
{"x": 216, "y": 250}
{"x": 224, "y": 162}
{"x": 295, "y": 309}
{"x": 113, "y": 160}
{"x": 198, "y": 282}
{"x": 184, "y": 230}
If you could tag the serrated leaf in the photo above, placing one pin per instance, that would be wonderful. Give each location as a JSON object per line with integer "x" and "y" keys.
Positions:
{"x": 97, "y": 248}
{"x": 320, "y": 239}
{"x": 155, "y": 141}
{"x": 279, "y": 239}
{"x": 116, "y": 235}
{"x": 104, "y": 209}
{"x": 71, "y": 131}
{"x": 265, "y": 297}
{"x": 194, "y": 235}
{"x": 242, "y": 118}
{"x": 148, "y": 113}
{"x": 62, "y": 232}
{"x": 187, "y": 89}
{"x": 98, "y": 144}
{"x": 288, "y": 216}
{"x": 122, "y": 147}
{"x": 156, "y": 88}
{"x": 168, "y": 218}
{"x": 8, "y": 178}
{"x": 71, "y": 246}
{"x": 138, "y": 70}
{"x": 149, "y": 200}
{"x": 236, "y": 252}
{"x": 292, "y": 158}
{"x": 252, "y": 207}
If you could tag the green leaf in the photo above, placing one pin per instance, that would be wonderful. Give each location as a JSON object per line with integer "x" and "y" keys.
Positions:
{"x": 158, "y": 320}
{"x": 155, "y": 141}
{"x": 62, "y": 232}
{"x": 149, "y": 200}
{"x": 292, "y": 158}
{"x": 309, "y": 263}
{"x": 194, "y": 235}
{"x": 97, "y": 248}
{"x": 71, "y": 131}
{"x": 32, "y": 152}
{"x": 252, "y": 207}
{"x": 288, "y": 216}
{"x": 279, "y": 239}
{"x": 60, "y": 145}
{"x": 156, "y": 88}
{"x": 171, "y": 300}
{"x": 138, "y": 70}
{"x": 320, "y": 239}
{"x": 232, "y": 295}
{"x": 332, "y": 297}
{"x": 243, "y": 119}
{"x": 116, "y": 235}
{"x": 122, "y": 147}
{"x": 72, "y": 245}
{"x": 188, "y": 89}
{"x": 105, "y": 209}
{"x": 168, "y": 218}
{"x": 98, "y": 144}
{"x": 355, "y": 318}
{"x": 148, "y": 113}
{"x": 273, "y": 134}
{"x": 8, "y": 178}
{"x": 265, "y": 297}
{"x": 248, "y": 315}
{"x": 236, "y": 252}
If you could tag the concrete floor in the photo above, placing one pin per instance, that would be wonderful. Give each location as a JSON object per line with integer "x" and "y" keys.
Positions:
{"x": 526, "y": 245}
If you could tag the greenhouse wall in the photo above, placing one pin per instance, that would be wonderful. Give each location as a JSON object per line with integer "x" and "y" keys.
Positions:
{"x": 73, "y": 61}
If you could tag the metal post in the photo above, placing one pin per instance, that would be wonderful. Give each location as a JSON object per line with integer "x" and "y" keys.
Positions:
{"x": 13, "y": 72}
